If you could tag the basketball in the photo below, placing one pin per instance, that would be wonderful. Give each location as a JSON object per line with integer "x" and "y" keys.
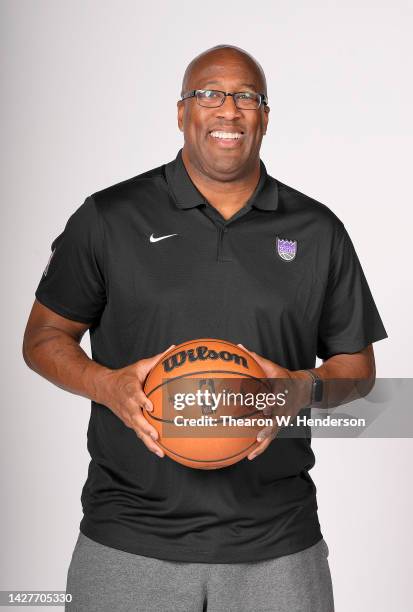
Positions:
{"x": 205, "y": 435}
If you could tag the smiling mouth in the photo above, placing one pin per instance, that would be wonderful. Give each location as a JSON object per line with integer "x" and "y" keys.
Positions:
{"x": 223, "y": 135}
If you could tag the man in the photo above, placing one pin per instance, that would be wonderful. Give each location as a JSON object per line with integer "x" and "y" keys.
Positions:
{"x": 207, "y": 245}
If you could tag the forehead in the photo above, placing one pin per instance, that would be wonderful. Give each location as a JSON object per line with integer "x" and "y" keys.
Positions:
{"x": 221, "y": 71}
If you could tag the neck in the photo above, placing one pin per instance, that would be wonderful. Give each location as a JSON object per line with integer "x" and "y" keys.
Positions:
{"x": 226, "y": 196}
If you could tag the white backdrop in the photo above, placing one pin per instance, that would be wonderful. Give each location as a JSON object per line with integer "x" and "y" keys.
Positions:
{"x": 74, "y": 120}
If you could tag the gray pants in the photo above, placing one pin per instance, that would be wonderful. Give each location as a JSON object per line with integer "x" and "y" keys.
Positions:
{"x": 103, "y": 579}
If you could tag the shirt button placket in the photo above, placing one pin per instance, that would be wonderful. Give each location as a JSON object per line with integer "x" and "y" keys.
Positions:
{"x": 222, "y": 244}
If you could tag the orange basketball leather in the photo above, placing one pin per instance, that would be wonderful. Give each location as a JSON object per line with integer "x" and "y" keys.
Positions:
{"x": 191, "y": 363}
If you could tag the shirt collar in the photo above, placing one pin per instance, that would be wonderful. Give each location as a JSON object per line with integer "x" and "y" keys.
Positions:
{"x": 186, "y": 195}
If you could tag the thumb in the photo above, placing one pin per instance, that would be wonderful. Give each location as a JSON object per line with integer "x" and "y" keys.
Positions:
{"x": 245, "y": 349}
{"x": 166, "y": 350}
{"x": 148, "y": 363}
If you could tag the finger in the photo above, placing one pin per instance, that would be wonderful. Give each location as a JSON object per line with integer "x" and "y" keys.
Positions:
{"x": 270, "y": 368}
{"x": 143, "y": 401}
{"x": 267, "y": 411}
{"x": 265, "y": 433}
{"x": 141, "y": 425}
{"x": 259, "y": 449}
{"x": 259, "y": 358}
{"x": 147, "y": 364}
{"x": 150, "y": 444}
{"x": 245, "y": 348}
{"x": 155, "y": 358}
{"x": 165, "y": 351}
{"x": 253, "y": 353}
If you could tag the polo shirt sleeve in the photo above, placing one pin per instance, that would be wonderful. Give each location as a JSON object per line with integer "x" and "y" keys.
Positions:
{"x": 349, "y": 320}
{"x": 72, "y": 284}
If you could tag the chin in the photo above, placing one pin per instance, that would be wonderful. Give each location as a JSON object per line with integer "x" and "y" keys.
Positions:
{"x": 228, "y": 165}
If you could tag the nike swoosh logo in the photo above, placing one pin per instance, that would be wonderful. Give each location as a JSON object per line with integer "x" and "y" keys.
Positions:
{"x": 153, "y": 239}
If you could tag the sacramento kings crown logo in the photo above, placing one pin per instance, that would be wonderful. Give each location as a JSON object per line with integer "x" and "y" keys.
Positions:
{"x": 286, "y": 249}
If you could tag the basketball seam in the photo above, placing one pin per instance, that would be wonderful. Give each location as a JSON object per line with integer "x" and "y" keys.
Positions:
{"x": 241, "y": 375}
{"x": 159, "y": 420}
{"x": 205, "y": 460}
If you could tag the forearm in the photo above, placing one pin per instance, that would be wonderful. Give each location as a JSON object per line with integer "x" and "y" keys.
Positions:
{"x": 60, "y": 359}
{"x": 347, "y": 377}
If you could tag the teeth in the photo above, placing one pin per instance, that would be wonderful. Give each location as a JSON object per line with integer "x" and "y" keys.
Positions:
{"x": 233, "y": 135}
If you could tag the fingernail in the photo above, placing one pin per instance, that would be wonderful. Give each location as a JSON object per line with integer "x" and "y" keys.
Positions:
{"x": 260, "y": 439}
{"x": 158, "y": 453}
{"x": 252, "y": 457}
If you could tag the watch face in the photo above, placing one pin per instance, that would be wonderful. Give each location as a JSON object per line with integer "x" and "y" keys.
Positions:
{"x": 318, "y": 390}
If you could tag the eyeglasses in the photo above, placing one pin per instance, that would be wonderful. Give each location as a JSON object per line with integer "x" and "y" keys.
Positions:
{"x": 211, "y": 98}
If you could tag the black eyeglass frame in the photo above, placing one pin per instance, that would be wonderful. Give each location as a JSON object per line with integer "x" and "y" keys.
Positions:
{"x": 193, "y": 92}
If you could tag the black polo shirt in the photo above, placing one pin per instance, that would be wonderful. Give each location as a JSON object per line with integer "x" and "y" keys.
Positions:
{"x": 281, "y": 277}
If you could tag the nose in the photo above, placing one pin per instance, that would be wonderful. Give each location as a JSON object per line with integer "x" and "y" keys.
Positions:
{"x": 228, "y": 108}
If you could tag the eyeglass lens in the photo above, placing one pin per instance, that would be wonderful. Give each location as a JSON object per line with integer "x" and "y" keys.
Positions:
{"x": 243, "y": 100}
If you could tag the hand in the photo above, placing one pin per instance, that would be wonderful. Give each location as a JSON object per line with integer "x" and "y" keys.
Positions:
{"x": 300, "y": 398}
{"x": 122, "y": 391}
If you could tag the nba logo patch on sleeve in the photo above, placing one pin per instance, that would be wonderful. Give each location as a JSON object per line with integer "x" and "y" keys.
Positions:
{"x": 48, "y": 263}
{"x": 286, "y": 249}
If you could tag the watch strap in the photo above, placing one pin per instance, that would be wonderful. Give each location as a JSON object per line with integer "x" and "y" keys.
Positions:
{"x": 317, "y": 389}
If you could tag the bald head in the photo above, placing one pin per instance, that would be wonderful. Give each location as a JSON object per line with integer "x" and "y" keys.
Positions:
{"x": 223, "y": 158}
{"x": 219, "y": 55}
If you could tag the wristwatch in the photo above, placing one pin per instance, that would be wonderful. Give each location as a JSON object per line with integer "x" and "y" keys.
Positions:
{"x": 317, "y": 389}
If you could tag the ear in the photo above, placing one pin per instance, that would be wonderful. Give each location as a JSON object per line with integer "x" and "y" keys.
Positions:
{"x": 181, "y": 109}
{"x": 266, "y": 117}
